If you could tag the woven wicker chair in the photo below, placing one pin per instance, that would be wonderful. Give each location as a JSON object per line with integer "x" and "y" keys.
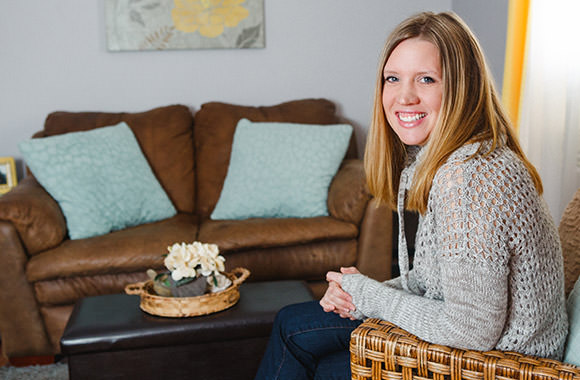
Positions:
{"x": 381, "y": 350}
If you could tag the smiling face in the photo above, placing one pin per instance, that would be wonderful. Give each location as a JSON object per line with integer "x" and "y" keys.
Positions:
{"x": 413, "y": 90}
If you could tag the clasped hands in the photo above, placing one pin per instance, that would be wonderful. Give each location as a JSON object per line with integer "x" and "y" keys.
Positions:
{"x": 336, "y": 299}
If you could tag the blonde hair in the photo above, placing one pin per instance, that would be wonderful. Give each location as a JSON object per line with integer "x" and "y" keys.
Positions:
{"x": 470, "y": 111}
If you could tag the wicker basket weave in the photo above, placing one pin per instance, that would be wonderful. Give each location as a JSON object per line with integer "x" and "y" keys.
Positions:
{"x": 189, "y": 306}
{"x": 381, "y": 350}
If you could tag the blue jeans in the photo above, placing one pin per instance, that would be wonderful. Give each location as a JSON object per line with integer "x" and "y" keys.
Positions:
{"x": 307, "y": 343}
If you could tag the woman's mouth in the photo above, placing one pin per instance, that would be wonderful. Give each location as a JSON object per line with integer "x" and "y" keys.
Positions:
{"x": 409, "y": 117}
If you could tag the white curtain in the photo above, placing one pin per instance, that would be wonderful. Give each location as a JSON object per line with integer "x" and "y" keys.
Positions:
{"x": 550, "y": 108}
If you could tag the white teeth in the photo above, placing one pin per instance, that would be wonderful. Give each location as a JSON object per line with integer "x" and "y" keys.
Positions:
{"x": 407, "y": 118}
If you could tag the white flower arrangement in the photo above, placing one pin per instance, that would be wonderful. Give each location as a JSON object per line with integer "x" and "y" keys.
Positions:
{"x": 194, "y": 269}
{"x": 191, "y": 260}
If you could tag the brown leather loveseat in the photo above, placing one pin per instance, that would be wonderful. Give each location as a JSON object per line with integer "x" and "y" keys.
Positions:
{"x": 44, "y": 272}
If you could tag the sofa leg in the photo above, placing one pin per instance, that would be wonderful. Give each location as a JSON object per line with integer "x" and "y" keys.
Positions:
{"x": 25, "y": 361}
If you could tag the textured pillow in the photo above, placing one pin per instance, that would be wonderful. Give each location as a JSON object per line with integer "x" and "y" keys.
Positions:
{"x": 572, "y": 351}
{"x": 155, "y": 130}
{"x": 281, "y": 170}
{"x": 215, "y": 125}
{"x": 100, "y": 179}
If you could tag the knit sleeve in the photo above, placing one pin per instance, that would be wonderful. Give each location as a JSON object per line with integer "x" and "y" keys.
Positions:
{"x": 394, "y": 283}
{"x": 469, "y": 220}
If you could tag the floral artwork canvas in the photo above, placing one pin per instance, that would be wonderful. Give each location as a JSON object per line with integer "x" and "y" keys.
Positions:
{"x": 184, "y": 24}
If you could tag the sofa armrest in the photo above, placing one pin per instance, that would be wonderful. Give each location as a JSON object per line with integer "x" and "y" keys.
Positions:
{"x": 34, "y": 214}
{"x": 350, "y": 200}
{"x": 348, "y": 194}
{"x": 375, "y": 242}
{"x": 378, "y": 348}
{"x": 21, "y": 325}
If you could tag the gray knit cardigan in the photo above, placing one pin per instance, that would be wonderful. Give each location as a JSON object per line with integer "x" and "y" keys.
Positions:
{"x": 487, "y": 271}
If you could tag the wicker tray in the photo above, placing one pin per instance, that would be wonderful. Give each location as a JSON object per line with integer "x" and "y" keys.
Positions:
{"x": 189, "y": 306}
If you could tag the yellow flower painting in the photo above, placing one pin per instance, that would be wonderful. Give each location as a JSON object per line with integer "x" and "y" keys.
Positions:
{"x": 184, "y": 24}
{"x": 209, "y": 17}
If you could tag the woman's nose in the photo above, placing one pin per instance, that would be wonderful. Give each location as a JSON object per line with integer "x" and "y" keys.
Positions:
{"x": 408, "y": 95}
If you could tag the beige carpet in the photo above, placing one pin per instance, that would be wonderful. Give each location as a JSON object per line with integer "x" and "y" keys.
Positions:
{"x": 58, "y": 371}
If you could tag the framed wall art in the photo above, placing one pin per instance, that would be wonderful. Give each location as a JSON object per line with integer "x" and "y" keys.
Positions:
{"x": 7, "y": 174}
{"x": 184, "y": 24}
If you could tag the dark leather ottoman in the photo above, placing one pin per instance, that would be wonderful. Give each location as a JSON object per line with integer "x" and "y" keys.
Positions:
{"x": 109, "y": 337}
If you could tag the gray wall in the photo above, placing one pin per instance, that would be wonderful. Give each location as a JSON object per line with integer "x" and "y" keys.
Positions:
{"x": 488, "y": 20}
{"x": 53, "y": 57}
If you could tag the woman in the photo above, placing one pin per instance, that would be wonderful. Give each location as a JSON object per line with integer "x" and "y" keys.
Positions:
{"x": 488, "y": 265}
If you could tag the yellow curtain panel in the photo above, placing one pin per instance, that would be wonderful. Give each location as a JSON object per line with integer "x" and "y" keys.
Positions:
{"x": 515, "y": 57}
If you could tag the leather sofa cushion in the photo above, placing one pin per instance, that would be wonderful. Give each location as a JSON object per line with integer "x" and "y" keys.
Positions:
{"x": 215, "y": 124}
{"x": 130, "y": 250}
{"x": 139, "y": 248}
{"x": 255, "y": 233}
{"x": 306, "y": 262}
{"x": 299, "y": 262}
{"x": 165, "y": 135}
{"x": 66, "y": 291}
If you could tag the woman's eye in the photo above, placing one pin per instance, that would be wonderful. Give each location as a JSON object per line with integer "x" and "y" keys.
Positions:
{"x": 391, "y": 79}
{"x": 427, "y": 80}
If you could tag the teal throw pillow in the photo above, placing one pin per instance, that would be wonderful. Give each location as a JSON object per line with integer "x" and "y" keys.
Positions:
{"x": 100, "y": 179}
{"x": 572, "y": 351}
{"x": 281, "y": 170}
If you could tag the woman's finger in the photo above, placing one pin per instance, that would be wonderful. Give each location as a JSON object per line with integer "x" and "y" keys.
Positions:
{"x": 349, "y": 270}
{"x": 334, "y": 289}
{"x": 325, "y": 301}
{"x": 326, "y": 305}
{"x": 338, "y": 298}
{"x": 346, "y": 316}
{"x": 334, "y": 276}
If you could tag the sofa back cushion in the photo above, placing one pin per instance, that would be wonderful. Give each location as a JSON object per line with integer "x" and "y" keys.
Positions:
{"x": 215, "y": 124}
{"x": 165, "y": 136}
